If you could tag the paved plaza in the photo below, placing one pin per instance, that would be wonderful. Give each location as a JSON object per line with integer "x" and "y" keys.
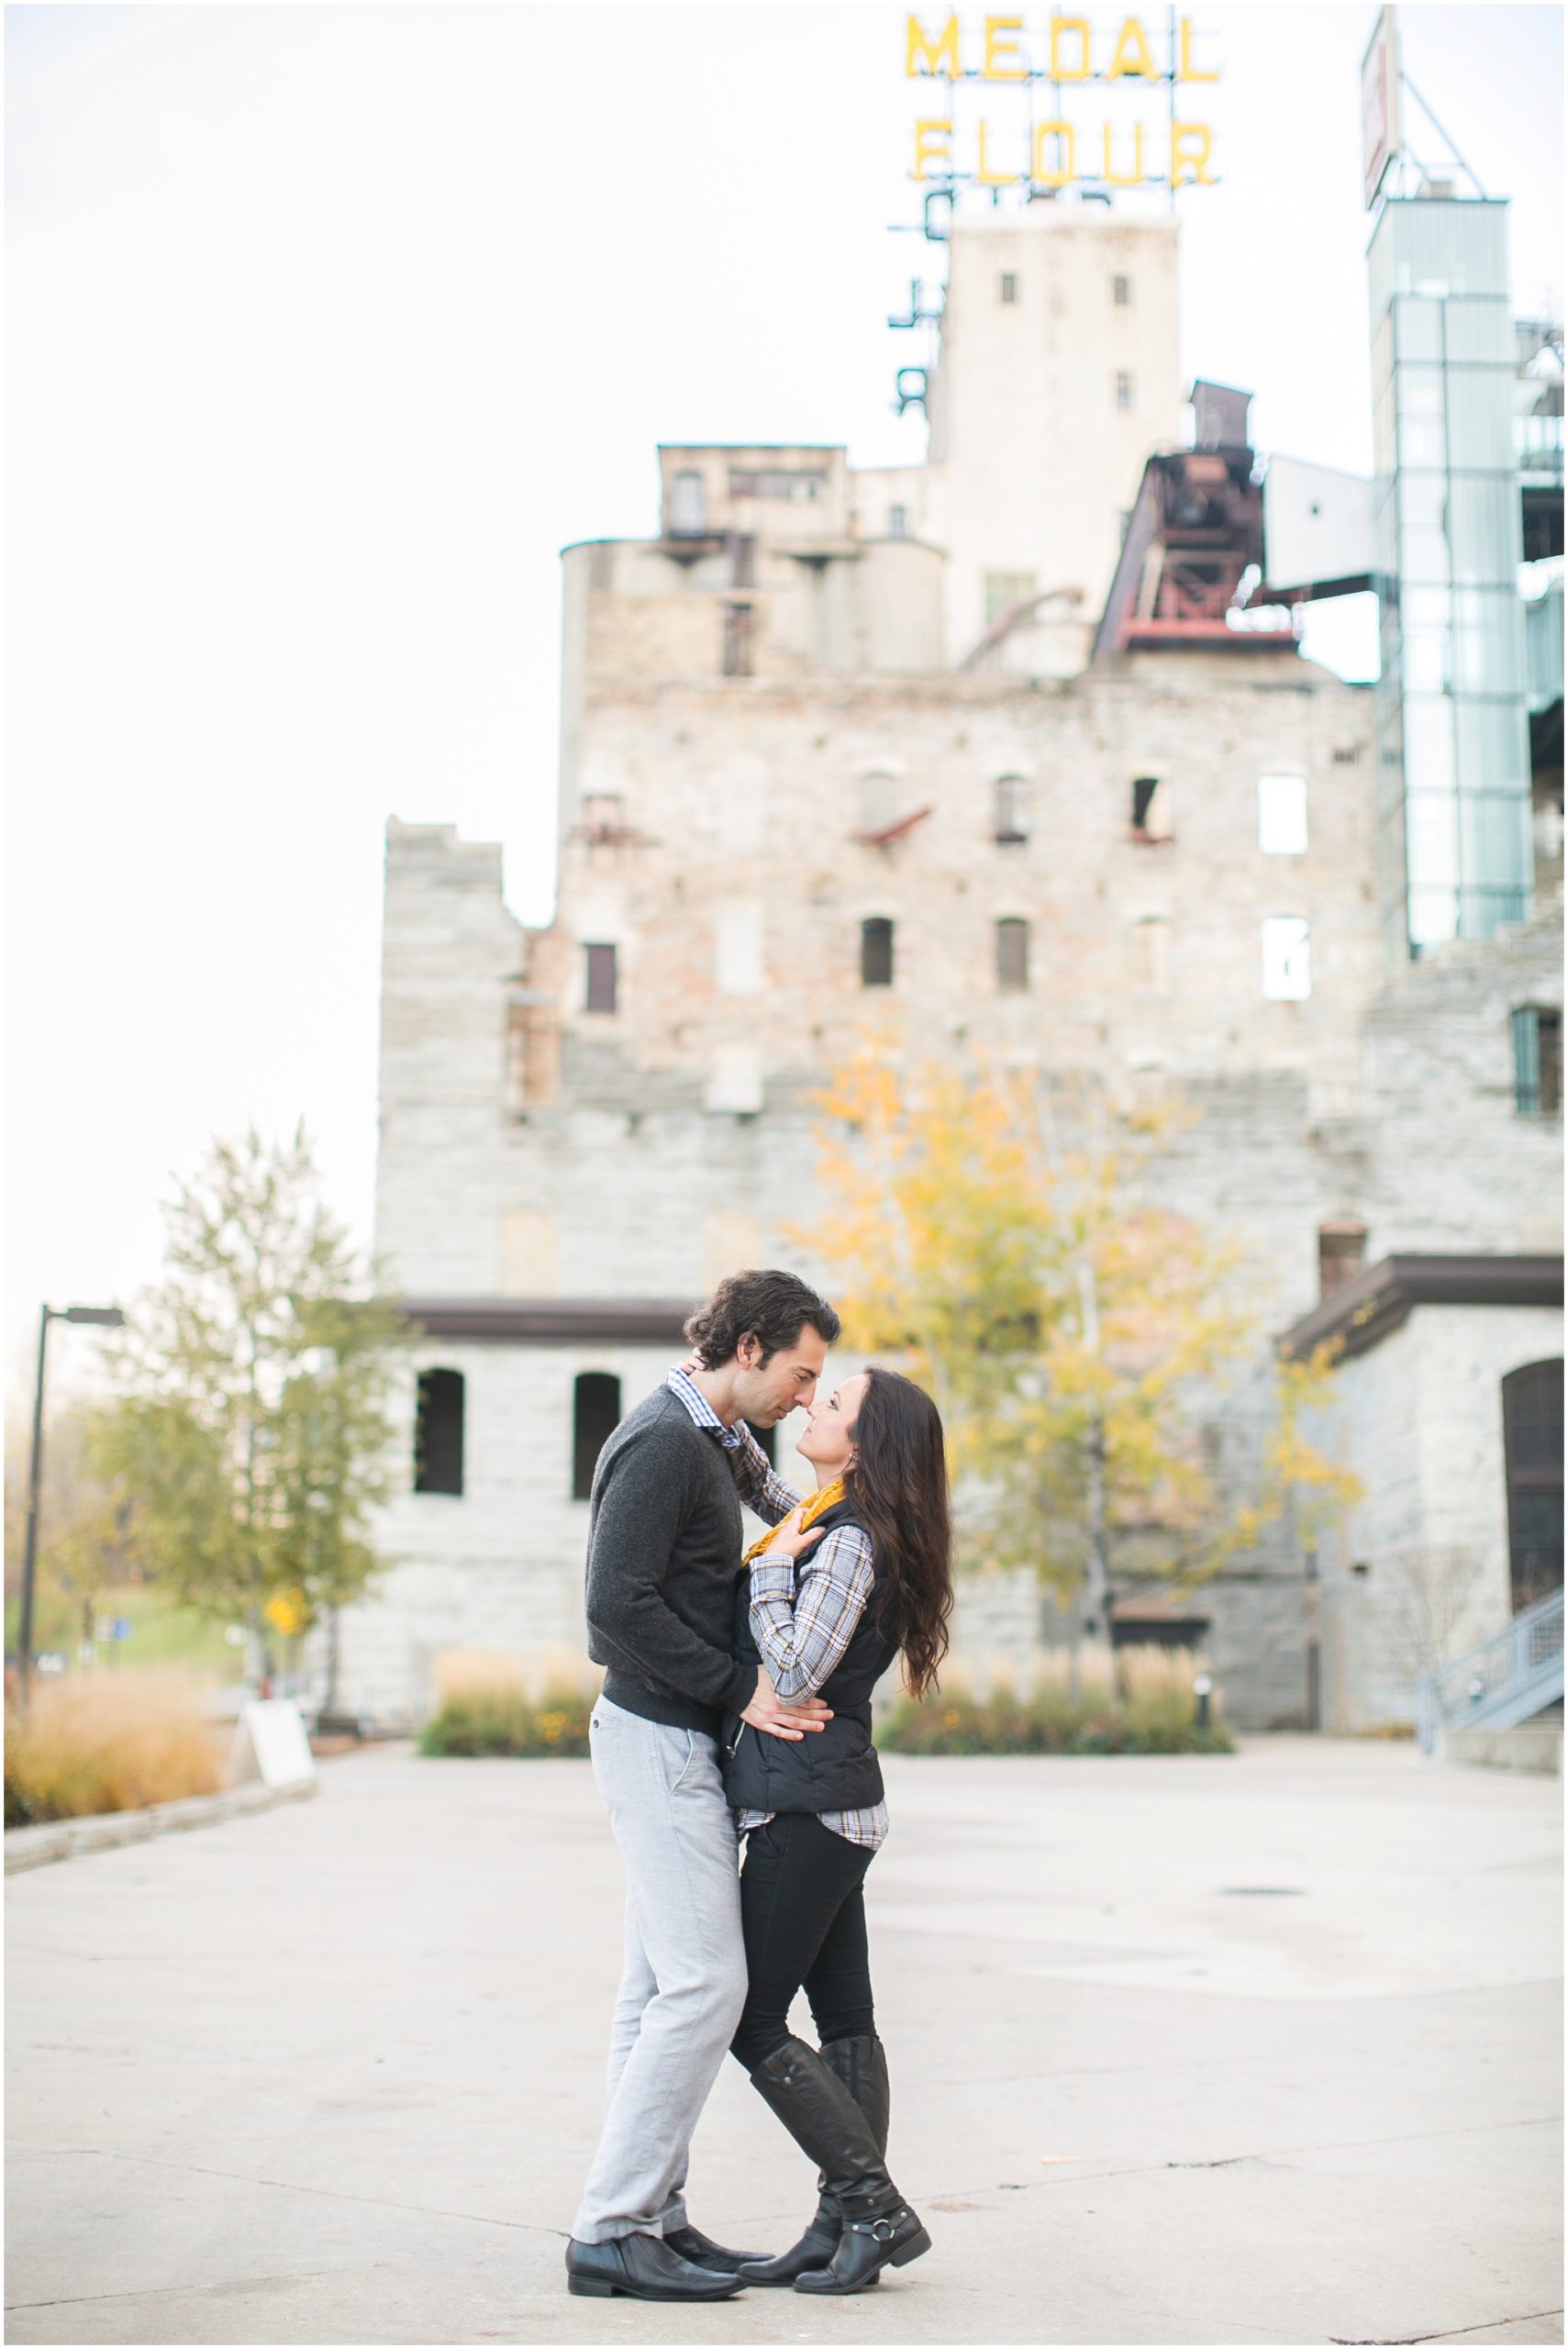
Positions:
{"x": 1257, "y": 2049}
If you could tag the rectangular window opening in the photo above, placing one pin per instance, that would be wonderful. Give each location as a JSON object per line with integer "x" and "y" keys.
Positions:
{"x": 876, "y": 954}
{"x": 898, "y": 521}
{"x": 687, "y": 506}
{"x": 595, "y": 1415}
{"x": 601, "y": 995}
{"x": 1152, "y": 953}
{"x": 1123, "y": 389}
{"x": 1282, "y": 815}
{"x": 1005, "y": 588}
{"x": 738, "y": 640}
{"x": 742, "y": 559}
{"x": 437, "y": 1432}
{"x": 1151, "y": 808}
{"x": 1121, "y": 291}
{"x": 1013, "y": 955}
{"x": 1342, "y": 1252}
{"x": 1537, "y": 1061}
{"x": 1012, "y": 820}
{"x": 1010, "y": 287}
{"x": 1288, "y": 958}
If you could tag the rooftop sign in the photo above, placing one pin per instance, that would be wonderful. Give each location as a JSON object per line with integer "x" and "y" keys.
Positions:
{"x": 1085, "y": 129}
{"x": 1380, "y": 132}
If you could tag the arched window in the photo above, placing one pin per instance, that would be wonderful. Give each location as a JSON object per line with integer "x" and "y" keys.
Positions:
{"x": 595, "y": 1415}
{"x": 876, "y": 954}
{"x": 1533, "y": 1446}
{"x": 1013, "y": 955}
{"x": 437, "y": 1432}
{"x": 1012, "y": 813}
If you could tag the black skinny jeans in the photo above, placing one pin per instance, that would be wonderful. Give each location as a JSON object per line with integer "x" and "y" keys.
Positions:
{"x": 802, "y": 1911}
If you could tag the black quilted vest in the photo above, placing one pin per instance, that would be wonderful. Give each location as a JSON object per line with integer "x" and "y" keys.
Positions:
{"x": 830, "y": 1769}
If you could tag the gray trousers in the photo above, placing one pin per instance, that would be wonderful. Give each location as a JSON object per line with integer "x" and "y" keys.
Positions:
{"x": 685, "y": 1978}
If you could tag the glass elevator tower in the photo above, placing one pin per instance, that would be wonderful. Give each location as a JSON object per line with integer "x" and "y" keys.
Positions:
{"x": 1453, "y": 732}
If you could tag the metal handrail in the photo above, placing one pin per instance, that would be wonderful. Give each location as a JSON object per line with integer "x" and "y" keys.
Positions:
{"x": 1507, "y": 1660}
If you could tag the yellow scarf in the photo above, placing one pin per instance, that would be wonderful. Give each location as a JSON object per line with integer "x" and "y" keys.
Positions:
{"x": 818, "y": 1506}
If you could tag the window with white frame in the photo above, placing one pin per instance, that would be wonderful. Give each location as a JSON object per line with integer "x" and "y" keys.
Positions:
{"x": 1152, "y": 953}
{"x": 687, "y": 506}
{"x": 1282, "y": 815}
{"x": 1288, "y": 958}
{"x": 738, "y": 948}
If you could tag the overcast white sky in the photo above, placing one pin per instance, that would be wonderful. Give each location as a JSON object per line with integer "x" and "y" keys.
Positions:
{"x": 328, "y": 326}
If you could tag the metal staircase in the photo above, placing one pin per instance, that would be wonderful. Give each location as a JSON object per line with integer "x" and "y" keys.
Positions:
{"x": 1505, "y": 1680}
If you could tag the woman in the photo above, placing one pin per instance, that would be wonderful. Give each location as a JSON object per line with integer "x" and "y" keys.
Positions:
{"x": 851, "y": 1580}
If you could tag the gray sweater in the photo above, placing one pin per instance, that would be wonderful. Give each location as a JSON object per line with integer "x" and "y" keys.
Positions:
{"x": 663, "y": 1559}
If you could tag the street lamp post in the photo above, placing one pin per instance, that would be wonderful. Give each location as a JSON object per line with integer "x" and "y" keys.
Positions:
{"x": 100, "y": 1317}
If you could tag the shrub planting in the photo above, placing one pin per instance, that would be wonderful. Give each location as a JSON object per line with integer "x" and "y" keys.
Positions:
{"x": 1141, "y": 1700}
{"x": 489, "y": 1710}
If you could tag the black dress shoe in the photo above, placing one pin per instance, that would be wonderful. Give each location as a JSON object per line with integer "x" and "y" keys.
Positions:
{"x": 642, "y": 2267}
{"x": 691, "y": 2244}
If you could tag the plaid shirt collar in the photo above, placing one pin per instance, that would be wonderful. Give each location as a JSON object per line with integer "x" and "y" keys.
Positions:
{"x": 701, "y": 1410}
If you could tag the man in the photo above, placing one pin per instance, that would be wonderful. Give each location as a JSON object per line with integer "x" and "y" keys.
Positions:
{"x": 664, "y": 1542}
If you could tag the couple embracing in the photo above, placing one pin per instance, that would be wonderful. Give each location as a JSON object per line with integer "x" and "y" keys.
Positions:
{"x": 735, "y": 1709}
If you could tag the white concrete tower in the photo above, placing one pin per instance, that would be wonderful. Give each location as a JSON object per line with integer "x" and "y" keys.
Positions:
{"x": 1059, "y": 373}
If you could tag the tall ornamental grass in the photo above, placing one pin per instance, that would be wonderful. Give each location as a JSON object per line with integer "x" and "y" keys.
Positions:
{"x": 1139, "y": 1700}
{"x": 97, "y": 1741}
{"x": 502, "y": 1705}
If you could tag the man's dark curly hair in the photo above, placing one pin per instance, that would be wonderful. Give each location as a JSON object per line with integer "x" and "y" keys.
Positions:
{"x": 772, "y": 1307}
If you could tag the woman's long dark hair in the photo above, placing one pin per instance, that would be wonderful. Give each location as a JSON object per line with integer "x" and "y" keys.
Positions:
{"x": 899, "y": 1484}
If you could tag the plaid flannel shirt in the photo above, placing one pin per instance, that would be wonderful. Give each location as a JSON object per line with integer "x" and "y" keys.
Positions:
{"x": 801, "y": 1639}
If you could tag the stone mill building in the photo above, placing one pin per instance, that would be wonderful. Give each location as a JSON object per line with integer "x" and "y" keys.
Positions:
{"x": 1003, "y": 755}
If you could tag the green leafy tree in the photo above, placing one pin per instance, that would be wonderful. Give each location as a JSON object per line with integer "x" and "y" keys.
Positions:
{"x": 1075, "y": 1332}
{"x": 251, "y": 1435}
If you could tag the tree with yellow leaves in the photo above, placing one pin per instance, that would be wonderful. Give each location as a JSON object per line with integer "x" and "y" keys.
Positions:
{"x": 1000, "y": 1239}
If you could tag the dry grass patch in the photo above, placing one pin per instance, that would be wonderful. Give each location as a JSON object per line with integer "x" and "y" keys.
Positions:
{"x": 98, "y": 1740}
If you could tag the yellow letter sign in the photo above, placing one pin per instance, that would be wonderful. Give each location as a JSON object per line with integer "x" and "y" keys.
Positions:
{"x": 1004, "y": 60}
{"x": 1188, "y": 72}
{"x": 1059, "y": 27}
{"x": 1196, "y": 136}
{"x": 926, "y": 133}
{"x": 938, "y": 56}
{"x": 1132, "y": 54}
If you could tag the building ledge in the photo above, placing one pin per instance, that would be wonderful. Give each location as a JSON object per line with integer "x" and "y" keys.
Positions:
{"x": 1368, "y": 1308}
{"x": 549, "y": 1320}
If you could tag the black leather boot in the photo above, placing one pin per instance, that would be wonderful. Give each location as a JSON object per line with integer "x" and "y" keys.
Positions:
{"x": 861, "y": 2065}
{"x": 879, "y": 2229}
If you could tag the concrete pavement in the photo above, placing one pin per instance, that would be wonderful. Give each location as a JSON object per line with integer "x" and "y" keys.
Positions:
{"x": 1248, "y": 2049}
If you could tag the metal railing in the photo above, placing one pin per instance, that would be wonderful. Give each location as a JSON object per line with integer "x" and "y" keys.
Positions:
{"x": 1516, "y": 1673}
